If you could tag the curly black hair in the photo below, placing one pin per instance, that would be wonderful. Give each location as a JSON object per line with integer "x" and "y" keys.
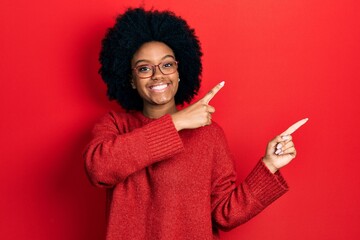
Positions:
{"x": 134, "y": 28}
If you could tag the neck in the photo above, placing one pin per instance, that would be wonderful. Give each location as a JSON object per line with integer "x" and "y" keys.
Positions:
{"x": 157, "y": 111}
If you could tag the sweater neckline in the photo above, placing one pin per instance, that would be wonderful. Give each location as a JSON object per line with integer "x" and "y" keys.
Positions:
{"x": 143, "y": 118}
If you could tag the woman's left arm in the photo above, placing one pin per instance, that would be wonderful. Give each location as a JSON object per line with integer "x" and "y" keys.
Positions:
{"x": 233, "y": 205}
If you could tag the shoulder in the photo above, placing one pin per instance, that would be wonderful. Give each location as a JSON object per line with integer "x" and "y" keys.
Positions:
{"x": 215, "y": 129}
{"x": 123, "y": 121}
{"x": 213, "y": 133}
{"x": 213, "y": 138}
{"x": 118, "y": 117}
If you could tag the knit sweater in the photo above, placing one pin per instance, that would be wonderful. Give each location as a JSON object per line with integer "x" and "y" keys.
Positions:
{"x": 164, "y": 184}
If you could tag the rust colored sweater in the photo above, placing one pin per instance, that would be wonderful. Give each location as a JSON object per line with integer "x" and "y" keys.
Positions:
{"x": 164, "y": 184}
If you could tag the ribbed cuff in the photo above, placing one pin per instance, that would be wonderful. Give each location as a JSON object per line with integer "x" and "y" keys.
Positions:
{"x": 163, "y": 140}
{"x": 266, "y": 186}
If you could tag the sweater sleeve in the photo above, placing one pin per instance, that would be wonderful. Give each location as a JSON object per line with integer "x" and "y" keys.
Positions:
{"x": 233, "y": 205}
{"x": 112, "y": 155}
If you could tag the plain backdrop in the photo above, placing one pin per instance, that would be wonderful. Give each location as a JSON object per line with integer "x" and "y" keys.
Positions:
{"x": 281, "y": 60}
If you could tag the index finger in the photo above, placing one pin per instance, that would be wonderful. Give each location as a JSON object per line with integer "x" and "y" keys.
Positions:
{"x": 294, "y": 127}
{"x": 213, "y": 92}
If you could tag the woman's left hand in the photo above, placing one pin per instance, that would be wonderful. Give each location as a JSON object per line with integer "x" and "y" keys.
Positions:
{"x": 281, "y": 150}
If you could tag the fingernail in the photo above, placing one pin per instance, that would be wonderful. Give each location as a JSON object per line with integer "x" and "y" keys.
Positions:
{"x": 278, "y": 151}
{"x": 286, "y": 137}
{"x": 279, "y": 146}
{"x": 222, "y": 83}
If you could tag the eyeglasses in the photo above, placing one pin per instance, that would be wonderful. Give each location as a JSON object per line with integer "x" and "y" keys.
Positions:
{"x": 148, "y": 70}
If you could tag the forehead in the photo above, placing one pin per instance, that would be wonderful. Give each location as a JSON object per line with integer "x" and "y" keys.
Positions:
{"x": 152, "y": 52}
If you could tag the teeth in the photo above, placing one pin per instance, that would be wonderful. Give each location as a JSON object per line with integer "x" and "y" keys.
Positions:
{"x": 159, "y": 87}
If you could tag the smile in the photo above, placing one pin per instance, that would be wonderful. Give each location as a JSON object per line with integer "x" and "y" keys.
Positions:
{"x": 160, "y": 87}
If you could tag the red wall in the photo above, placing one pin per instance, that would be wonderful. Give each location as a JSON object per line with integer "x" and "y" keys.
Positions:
{"x": 281, "y": 60}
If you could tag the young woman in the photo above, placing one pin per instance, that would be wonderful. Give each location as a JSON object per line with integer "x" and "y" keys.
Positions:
{"x": 169, "y": 173}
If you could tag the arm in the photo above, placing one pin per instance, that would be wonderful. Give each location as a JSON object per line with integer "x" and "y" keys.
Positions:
{"x": 233, "y": 205}
{"x": 113, "y": 155}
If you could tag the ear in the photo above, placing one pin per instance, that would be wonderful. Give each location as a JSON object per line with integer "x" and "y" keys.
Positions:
{"x": 132, "y": 84}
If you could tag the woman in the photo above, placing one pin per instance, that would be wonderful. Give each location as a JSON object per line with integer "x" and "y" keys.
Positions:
{"x": 168, "y": 172}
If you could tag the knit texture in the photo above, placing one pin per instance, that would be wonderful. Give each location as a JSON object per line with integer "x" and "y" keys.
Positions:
{"x": 163, "y": 184}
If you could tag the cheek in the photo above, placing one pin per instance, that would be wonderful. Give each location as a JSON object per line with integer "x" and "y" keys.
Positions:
{"x": 137, "y": 83}
{"x": 176, "y": 81}
{"x": 138, "y": 86}
{"x": 141, "y": 90}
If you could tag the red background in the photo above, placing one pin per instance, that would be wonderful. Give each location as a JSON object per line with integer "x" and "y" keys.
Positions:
{"x": 281, "y": 60}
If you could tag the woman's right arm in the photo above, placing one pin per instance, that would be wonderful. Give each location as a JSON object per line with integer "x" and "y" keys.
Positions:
{"x": 112, "y": 156}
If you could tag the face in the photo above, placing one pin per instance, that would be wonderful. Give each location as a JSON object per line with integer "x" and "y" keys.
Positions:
{"x": 159, "y": 89}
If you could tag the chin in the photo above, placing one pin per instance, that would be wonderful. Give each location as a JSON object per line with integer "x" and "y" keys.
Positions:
{"x": 162, "y": 101}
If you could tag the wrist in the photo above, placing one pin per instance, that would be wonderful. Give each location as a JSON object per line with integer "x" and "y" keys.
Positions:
{"x": 176, "y": 122}
{"x": 269, "y": 165}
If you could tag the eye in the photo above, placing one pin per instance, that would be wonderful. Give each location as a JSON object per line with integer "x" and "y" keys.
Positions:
{"x": 168, "y": 64}
{"x": 144, "y": 68}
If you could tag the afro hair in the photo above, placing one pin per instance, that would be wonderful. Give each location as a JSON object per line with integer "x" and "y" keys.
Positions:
{"x": 131, "y": 30}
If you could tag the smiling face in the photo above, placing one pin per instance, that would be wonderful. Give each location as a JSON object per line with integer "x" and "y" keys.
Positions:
{"x": 158, "y": 90}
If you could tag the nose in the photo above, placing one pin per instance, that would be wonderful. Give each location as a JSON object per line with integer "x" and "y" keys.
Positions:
{"x": 156, "y": 72}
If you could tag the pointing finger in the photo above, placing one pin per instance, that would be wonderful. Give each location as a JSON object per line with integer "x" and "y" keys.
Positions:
{"x": 294, "y": 127}
{"x": 213, "y": 92}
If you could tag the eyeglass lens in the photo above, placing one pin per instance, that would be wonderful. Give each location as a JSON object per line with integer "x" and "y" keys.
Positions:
{"x": 147, "y": 70}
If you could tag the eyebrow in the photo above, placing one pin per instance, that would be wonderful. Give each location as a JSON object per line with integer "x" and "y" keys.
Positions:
{"x": 143, "y": 60}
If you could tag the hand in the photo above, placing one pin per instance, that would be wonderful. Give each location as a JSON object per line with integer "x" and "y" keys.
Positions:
{"x": 281, "y": 150}
{"x": 198, "y": 114}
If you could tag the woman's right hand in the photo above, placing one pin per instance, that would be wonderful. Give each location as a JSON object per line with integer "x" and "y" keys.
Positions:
{"x": 197, "y": 114}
